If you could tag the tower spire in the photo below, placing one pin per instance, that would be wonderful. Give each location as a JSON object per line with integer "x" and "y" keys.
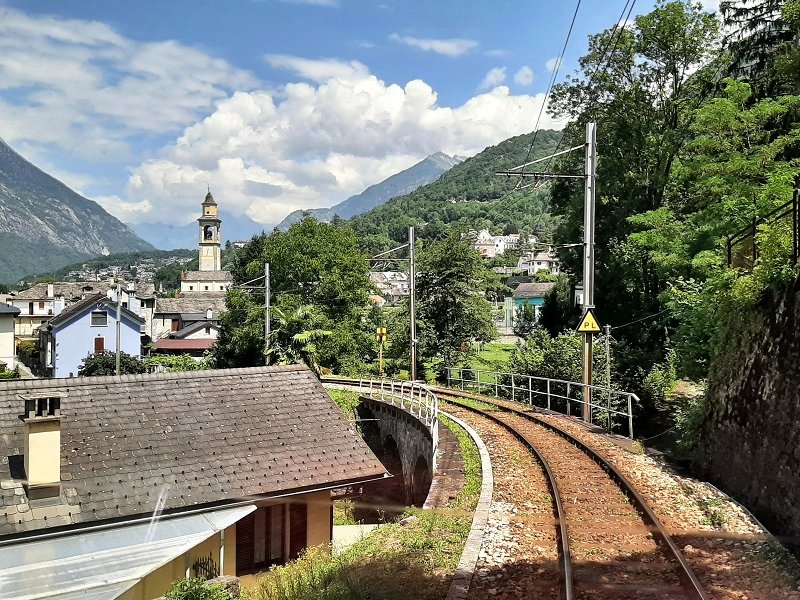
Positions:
{"x": 209, "y": 224}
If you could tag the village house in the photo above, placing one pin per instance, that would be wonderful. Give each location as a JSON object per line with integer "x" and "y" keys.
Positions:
{"x": 531, "y": 294}
{"x": 115, "y": 487}
{"x": 8, "y": 348}
{"x": 88, "y": 327}
{"x": 392, "y": 286}
{"x": 531, "y": 262}
{"x": 193, "y": 319}
{"x": 490, "y": 246}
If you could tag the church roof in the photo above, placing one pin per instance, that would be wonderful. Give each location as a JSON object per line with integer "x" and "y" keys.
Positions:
{"x": 192, "y": 304}
{"x": 207, "y": 276}
{"x": 209, "y": 198}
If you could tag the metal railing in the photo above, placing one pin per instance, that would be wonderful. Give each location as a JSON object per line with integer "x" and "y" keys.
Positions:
{"x": 609, "y": 407}
{"x": 410, "y": 396}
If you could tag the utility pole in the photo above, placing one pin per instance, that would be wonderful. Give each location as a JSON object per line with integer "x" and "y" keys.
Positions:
{"x": 590, "y": 174}
{"x": 412, "y": 289}
{"x": 266, "y": 314}
{"x": 607, "y": 333}
{"x": 119, "y": 307}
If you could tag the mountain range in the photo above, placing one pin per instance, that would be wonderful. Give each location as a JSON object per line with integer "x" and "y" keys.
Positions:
{"x": 404, "y": 182}
{"x": 45, "y": 225}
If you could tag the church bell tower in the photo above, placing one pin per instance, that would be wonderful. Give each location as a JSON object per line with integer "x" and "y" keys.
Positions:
{"x": 209, "y": 236}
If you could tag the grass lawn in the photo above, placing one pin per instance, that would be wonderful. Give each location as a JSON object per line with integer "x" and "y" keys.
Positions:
{"x": 493, "y": 357}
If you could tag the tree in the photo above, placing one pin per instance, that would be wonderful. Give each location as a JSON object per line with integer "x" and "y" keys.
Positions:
{"x": 524, "y": 320}
{"x": 640, "y": 100}
{"x": 295, "y": 338}
{"x": 105, "y": 363}
{"x": 319, "y": 283}
{"x": 452, "y": 310}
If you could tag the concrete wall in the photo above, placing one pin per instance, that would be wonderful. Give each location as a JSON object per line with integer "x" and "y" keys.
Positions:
{"x": 413, "y": 440}
{"x": 7, "y": 347}
{"x": 751, "y": 435}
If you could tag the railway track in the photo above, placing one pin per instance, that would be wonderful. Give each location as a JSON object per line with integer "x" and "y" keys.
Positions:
{"x": 610, "y": 543}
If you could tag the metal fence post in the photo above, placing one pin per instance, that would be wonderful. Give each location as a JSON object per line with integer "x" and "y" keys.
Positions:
{"x": 548, "y": 394}
{"x": 630, "y": 417}
{"x": 568, "y": 386}
{"x": 608, "y": 413}
{"x": 513, "y": 389}
{"x": 495, "y": 385}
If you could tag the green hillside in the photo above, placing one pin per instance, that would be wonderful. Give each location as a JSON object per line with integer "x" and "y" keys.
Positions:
{"x": 468, "y": 196}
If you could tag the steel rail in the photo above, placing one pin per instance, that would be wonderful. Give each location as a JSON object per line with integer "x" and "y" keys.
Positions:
{"x": 562, "y": 535}
{"x": 689, "y": 580}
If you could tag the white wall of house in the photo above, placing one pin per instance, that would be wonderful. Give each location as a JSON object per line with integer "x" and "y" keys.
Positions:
{"x": 7, "y": 349}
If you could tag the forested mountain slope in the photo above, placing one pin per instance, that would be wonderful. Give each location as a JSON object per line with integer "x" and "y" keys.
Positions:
{"x": 469, "y": 196}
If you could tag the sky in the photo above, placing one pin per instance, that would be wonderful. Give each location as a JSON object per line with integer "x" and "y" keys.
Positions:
{"x": 276, "y": 105}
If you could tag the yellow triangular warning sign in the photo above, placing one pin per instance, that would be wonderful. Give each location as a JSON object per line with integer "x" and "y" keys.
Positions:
{"x": 588, "y": 323}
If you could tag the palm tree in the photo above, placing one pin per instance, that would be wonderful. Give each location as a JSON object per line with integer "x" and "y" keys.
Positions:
{"x": 294, "y": 338}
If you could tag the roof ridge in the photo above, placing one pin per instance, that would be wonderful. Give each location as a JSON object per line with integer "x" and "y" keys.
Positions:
{"x": 209, "y": 373}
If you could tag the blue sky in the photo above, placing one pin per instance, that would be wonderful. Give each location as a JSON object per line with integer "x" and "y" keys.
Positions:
{"x": 278, "y": 105}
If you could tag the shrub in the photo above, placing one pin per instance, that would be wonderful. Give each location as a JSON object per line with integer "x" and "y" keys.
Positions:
{"x": 196, "y": 589}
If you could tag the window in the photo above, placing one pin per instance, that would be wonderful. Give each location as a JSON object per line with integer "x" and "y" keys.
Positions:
{"x": 191, "y": 288}
{"x": 30, "y": 308}
{"x": 206, "y": 288}
{"x": 41, "y": 305}
{"x": 99, "y": 318}
{"x": 260, "y": 539}
{"x": 99, "y": 345}
{"x": 175, "y": 324}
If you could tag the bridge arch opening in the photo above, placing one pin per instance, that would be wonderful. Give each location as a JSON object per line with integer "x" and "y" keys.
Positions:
{"x": 421, "y": 482}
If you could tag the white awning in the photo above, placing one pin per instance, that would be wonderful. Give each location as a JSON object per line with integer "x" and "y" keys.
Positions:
{"x": 102, "y": 564}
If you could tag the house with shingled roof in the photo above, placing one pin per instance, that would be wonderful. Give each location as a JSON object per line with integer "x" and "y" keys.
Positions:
{"x": 532, "y": 294}
{"x": 88, "y": 327}
{"x": 113, "y": 487}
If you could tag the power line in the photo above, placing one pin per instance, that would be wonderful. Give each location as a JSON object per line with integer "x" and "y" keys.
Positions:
{"x": 556, "y": 68}
{"x": 605, "y": 57}
{"x": 661, "y": 312}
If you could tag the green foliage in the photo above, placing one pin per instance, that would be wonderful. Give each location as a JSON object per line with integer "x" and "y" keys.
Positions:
{"x": 559, "y": 313}
{"x": 524, "y": 320}
{"x": 105, "y": 363}
{"x": 13, "y": 374}
{"x": 321, "y": 314}
{"x": 196, "y": 589}
{"x": 26, "y": 351}
{"x": 174, "y": 363}
{"x": 657, "y": 384}
{"x": 558, "y": 357}
{"x": 452, "y": 311}
{"x": 689, "y": 418}
{"x": 467, "y": 498}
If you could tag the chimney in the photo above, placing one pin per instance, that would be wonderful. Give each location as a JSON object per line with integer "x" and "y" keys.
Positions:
{"x": 42, "y": 458}
{"x": 50, "y": 290}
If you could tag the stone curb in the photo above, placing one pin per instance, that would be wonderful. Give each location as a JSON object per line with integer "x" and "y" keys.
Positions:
{"x": 459, "y": 588}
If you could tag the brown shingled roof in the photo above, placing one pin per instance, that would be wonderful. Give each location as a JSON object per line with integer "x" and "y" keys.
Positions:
{"x": 533, "y": 290}
{"x": 189, "y": 438}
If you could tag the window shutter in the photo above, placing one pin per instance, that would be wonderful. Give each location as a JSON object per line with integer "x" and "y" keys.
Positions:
{"x": 245, "y": 538}
{"x": 298, "y": 525}
{"x": 99, "y": 345}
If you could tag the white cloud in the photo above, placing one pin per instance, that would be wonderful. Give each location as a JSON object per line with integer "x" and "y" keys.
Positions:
{"x": 524, "y": 76}
{"x": 81, "y": 86}
{"x": 710, "y": 5}
{"x": 82, "y": 89}
{"x": 266, "y": 153}
{"x": 552, "y": 64}
{"x": 447, "y": 47}
{"x": 318, "y": 70}
{"x": 493, "y": 78}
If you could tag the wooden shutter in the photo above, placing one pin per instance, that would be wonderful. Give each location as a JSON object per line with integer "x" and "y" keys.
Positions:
{"x": 298, "y": 526}
{"x": 245, "y": 538}
{"x": 99, "y": 344}
{"x": 175, "y": 324}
